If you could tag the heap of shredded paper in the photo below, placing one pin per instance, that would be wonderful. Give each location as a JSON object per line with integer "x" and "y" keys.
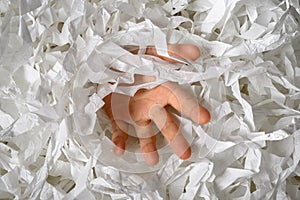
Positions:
{"x": 55, "y": 68}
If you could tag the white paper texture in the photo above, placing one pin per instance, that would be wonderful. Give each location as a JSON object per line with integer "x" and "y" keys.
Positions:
{"x": 55, "y": 69}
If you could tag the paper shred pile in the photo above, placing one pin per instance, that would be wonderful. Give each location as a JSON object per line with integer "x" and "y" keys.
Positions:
{"x": 55, "y": 67}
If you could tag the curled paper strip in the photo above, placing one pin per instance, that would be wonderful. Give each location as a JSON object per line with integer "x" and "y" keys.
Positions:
{"x": 59, "y": 59}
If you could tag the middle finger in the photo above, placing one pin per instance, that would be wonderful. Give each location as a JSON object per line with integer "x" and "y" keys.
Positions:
{"x": 168, "y": 127}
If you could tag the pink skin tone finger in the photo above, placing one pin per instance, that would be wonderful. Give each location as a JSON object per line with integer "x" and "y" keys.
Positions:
{"x": 186, "y": 104}
{"x": 186, "y": 51}
{"x": 169, "y": 128}
{"x": 119, "y": 137}
{"x": 148, "y": 148}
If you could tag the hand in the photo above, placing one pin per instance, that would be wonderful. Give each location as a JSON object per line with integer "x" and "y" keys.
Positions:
{"x": 150, "y": 105}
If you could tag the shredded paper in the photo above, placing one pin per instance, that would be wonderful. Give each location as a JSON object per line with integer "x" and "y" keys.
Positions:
{"x": 59, "y": 59}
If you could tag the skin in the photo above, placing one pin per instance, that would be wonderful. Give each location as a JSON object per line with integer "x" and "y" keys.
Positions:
{"x": 150, "y": 105}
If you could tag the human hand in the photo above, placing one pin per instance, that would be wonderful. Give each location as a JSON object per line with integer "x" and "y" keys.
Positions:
{"x": 150, "y": 105}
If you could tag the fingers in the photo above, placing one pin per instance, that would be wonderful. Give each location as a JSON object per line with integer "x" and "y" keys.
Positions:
{"x": 119, "y": 137}
{"x": 186, "y": 51}
{"x": 145, "y": 133}
{"x": 170, "y": 130}
{"x": 148, "y": 148}
{"x": 187, "y": 105}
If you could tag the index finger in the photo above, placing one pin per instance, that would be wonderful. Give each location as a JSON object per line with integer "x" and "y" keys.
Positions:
{"x": 186, "y": 104}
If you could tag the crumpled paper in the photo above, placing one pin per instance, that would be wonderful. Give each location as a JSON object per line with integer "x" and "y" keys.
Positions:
{"x": 56, "y": 60}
